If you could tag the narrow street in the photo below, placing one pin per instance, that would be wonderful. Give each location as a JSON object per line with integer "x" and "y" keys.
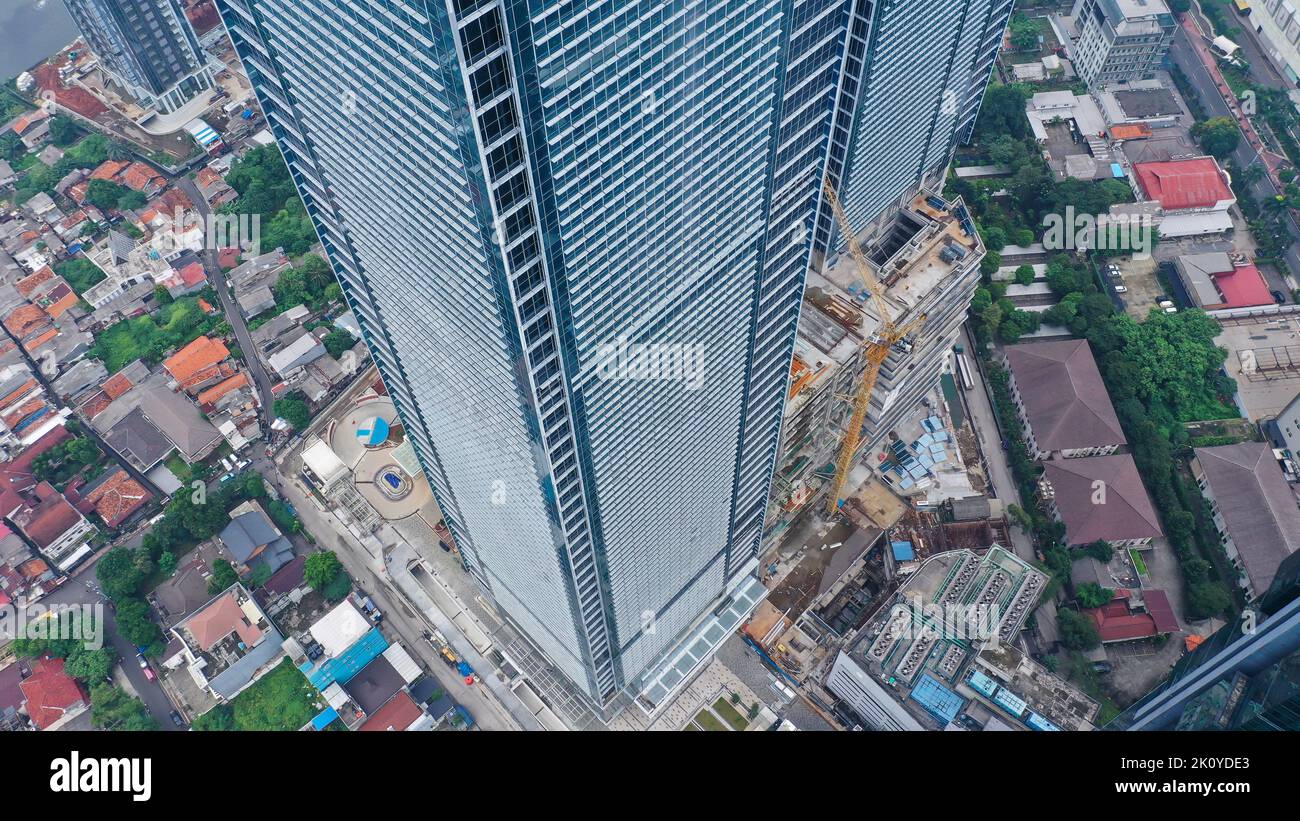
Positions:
{"x": 229, "y": 307}
{"x": 77, "y": 590}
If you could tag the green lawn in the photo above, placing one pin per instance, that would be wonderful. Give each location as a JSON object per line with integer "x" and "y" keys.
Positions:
{"x": 730, "y": 714}
{"x": 710, "y": 722}
{"x": 152, "y": 337}
{"x": 1138, "y": 563}
{"x": 282, "y": 700}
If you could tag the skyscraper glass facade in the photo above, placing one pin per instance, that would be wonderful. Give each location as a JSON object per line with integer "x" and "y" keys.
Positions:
{"x": 528, "y": 202}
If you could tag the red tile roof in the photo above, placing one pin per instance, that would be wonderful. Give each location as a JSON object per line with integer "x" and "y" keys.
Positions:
{"x": 192, "y": 274}
{"x": 50, "y": 691}
{"x": 117, "y": 384}
{"x": 195, "y": 357}
{"x": 1182, "y": 184}
{"x": 1115, "y": 622}
{"x": 220, "y": 389}
{"x": 28, "y": 283}
{"x": 1244, "y": 287}
{"x": 22, "y": 124}
{"x": 109, "y": 169}
{"x": 118, "y": 497}
{"x": 139, "y": 176}
{"x": 398, "y": 713}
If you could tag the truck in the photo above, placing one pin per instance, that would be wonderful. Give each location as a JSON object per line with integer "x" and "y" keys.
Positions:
{"x": 468, "y": 672}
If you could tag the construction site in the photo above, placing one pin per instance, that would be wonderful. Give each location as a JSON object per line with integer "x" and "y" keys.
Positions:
{"x": 879, "y": 469}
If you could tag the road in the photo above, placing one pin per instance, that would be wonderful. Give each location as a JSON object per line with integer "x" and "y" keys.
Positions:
{"x": 1185, "y": 56}
{"x": 81, "y": 589}
{"x": 399, "y": 618}
{"x": 229, "y": 307}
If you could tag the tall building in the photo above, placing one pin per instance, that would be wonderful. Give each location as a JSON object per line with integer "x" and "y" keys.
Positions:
{"x": 1244, "y": 677}
{"x": 1120, "y": 39}
{"x": 148, "y": 47}
{"x": 576, "y": 235}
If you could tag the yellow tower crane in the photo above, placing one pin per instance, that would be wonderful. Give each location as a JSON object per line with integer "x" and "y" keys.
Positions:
{"x": 877, "y": 348}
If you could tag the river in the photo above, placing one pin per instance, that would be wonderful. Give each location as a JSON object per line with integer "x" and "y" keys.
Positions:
{"x": 30, "y": 31}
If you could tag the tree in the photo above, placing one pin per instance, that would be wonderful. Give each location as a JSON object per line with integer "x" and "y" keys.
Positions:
{"x": 1100, "y": 550}
{"x": 134, "y": 624}
{"x": 293, "y": 410}
{"x": 223, "y": 576}
{"x": 105, "y": 194}
{"x": 219, "y": 718}
{"x": 118, "y": 574}
{"x": 1025, "y": 275}
{"x": 1077, "y": 630}
{"x": 63, "y": 130}
{"x": 321, "y": 568}
{"x": 91, "y": 665}
{"x": 1024, "y": 34}
{"x": 111, "y": 708}
{"x": 339, "y": 341}
{"x": 167, "y": 563}
{"x": 1206, "y": 599}
{"x": 1091, "y": 595}
{"x": 995, "y": 239}
{"x": 1218, "y": 135}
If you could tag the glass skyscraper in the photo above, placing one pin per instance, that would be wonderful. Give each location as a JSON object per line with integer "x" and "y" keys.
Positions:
{"x": 146, "y": 46}
{"x": 575, "y": 235}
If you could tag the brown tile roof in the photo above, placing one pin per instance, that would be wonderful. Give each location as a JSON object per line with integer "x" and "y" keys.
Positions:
{"x": 118, "y": 497}
{"x": 50, "y": 519}
{"x": 24, "y": 319}
{"x": 96, "y": 404}
{"x": 200, "y": 354}
{"x": 59, "y": 300}
{"x": 207, "y": 176}
{"x": 22, "y": 124}
{"x": 28, "y": 283}
{"x": 219, "y": 390}
{"x": 109, "y": 169}
{"x": 139, "y": 176}
{"x": 1124, "y": 509}
{"x": 40, "y": 339}
{"x": 1257, "y": 506}
{"x": 1063, "y": 394}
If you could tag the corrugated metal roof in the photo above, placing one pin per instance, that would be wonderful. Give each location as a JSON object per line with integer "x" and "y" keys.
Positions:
{"x": 402, "y": 662}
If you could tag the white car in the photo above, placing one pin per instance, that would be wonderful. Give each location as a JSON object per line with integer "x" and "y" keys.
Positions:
{"x": 1171, "y": 310}
{"x": 1120, "y": 289}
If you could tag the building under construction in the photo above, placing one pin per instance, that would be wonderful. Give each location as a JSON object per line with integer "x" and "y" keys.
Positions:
{"x": 927, "y": 259}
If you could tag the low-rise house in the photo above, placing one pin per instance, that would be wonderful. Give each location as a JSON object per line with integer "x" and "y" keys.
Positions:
{"x": 115, "y": 496}
{"x": 55, "y": 527}
{"x": 50, "y": 155}
{"x": 1101, "y": 498}
{"x": 52, "y": 698}
{"x": 253, "y": 541}
{"x": 7, "y": 175}
{"x": 32, "y": 128}
{"x": 74, "y": 381}
{"x": 227, "y": 644}
{"x": 1134, "y": 614}
{"x": 141, "y": 177}
{"x": 298, "y": 349}
{"x": 1062, "y": 401}
{"x": 1254, "y": 509}
{"x": 214, "y": 188}
{"x": 199, "y": 364}
{"x": 146, "y": 422}
{"x": 1217, "y": 281}
{"x": 1193, "y": 192}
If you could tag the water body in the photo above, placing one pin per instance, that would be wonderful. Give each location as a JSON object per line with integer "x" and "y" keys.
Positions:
{"x": 30, "y": 31}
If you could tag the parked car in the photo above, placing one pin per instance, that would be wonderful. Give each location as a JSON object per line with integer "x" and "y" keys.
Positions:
{"x": 1278, "y": 297}
{"x": 1120, "y": 289}
{"x": 150, "y": 674}
{"x": 139, "y": 657}
{"x": 176, "y": 719}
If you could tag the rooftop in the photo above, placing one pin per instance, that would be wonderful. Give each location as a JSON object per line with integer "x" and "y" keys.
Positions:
{"x": 1256, "y": 504}
{"x": 1063, "y": 394}
{"x": 1121, "y": 513}
{"x": 1184, "y": 184}
{"x": 1127, "y": 617}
